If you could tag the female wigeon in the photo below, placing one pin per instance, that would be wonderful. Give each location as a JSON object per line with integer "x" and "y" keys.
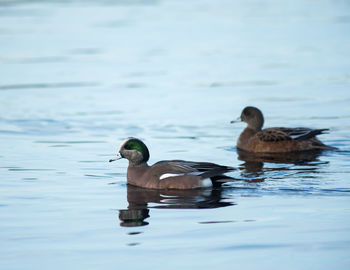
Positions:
{"x": 278, "y": 139}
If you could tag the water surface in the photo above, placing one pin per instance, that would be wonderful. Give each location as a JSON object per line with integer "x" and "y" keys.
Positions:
{"x": 77, "y": 77}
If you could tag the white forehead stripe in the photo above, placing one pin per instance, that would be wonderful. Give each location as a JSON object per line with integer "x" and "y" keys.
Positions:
{"x": 123, "y": 142}
{"x": 167, "y": 175}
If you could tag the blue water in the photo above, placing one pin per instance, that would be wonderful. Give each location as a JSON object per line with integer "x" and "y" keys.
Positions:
{"x": 77, "y": 77}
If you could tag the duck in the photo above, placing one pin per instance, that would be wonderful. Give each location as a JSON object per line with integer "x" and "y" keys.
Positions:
{"x": 276, "y": 139}
{"x": 168, "y": 174}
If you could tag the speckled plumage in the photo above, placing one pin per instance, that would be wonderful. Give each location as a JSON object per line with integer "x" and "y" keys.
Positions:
{"x": 277, "y": 139}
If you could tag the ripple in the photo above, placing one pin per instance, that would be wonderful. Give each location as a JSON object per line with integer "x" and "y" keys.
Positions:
{"x": 133, "y": 244}
{"x": 31, "y": 12}
{"x": 91, "y": 161}
{"x": 216, "y": 222}
{"x": 34, "y": 126}
{"x": 71, "y": 142}
{"x": 86, "y": 51}
{"x": 134, "y": 233}
{"x": 177, "y": 137}
{"x": 241, "y": 83}
{"x": 47, "y": 85}
{"x": 327, "y": 245}
{"x": 341, "y": 190}
{"x": 257, "y": 246}
{"x": 25, "y": 170}
{"x": 97, "y": 176}
{"x": 93, "y": 169}
{"x": 116, "y": 174}
{"x": 132, "y": 85}
{"x": 35, "y": 60}
{"x": 342, "y": 19}
{"x": 13, "y": 132}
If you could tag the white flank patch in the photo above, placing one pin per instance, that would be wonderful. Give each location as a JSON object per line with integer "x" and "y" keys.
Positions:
{"x": 167, "y": 175}
{"x": 207, "y": 183}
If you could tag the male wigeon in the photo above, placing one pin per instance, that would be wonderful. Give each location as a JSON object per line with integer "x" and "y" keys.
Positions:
{"x": 168, "y": 174}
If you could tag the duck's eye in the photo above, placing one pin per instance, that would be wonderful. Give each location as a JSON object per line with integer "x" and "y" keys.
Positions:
{"x": 137, "y": 145}
{"x": 128, "y": 147}
{"x": 132, "y": 145}
{"x": 246, "y": 112}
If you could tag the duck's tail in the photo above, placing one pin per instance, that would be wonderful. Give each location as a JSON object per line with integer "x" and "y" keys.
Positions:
{"x": 321, "y": 146}
{"x": 316, "y": 144}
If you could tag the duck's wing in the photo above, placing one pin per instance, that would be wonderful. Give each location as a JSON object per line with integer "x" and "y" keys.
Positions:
{"x": 172, "y": 168}
{"x": 287, "y": 134}
{"x": 273, "y": 135}
{"x": 309, "y": 133}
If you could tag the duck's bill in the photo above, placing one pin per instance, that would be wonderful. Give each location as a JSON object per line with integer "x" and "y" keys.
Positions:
{"x": 119, "y": 156}
{"x": 236, "y": 120}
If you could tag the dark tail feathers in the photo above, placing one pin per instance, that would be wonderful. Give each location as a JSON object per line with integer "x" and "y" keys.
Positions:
{"x": 311, "y": 134}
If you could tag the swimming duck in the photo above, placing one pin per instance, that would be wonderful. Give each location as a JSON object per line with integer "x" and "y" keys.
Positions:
{"x": 168, "y": 174}
{"x": 278, "y": 139}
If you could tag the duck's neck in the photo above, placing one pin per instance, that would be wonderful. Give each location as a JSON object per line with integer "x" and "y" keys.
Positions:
{"x": 136, "y": 172}
{"x": 137, "y": 164}
{"x": 255, "y": 126}
{"x": 247, "y": 133}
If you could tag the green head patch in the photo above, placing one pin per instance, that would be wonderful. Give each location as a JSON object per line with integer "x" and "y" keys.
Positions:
{"x": 136, "y": 144}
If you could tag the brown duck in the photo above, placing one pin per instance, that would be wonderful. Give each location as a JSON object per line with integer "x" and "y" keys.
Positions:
{"x": 168, "y": 174}
{"x": 278, "y": 139}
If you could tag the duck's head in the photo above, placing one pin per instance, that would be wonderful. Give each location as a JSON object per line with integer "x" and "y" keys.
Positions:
{"x": 253, "y": 117}
{"x": 133, "y": 150}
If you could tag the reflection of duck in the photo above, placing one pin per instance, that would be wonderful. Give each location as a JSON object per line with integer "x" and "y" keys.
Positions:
{"x": 253, "y": 165}
{"x": 133, "y": 217}
{"x": 292, "y": 157}
{"x": 140, "y": 198}
{"x": 278, "y": 139}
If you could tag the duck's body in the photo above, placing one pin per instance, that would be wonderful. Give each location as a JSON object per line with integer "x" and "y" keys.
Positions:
{"x": 168, "y": 174}
{"x": 278, "y": 139}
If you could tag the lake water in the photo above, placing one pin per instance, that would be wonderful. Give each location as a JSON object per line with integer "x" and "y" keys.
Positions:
{"x": 77, "y": 77}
